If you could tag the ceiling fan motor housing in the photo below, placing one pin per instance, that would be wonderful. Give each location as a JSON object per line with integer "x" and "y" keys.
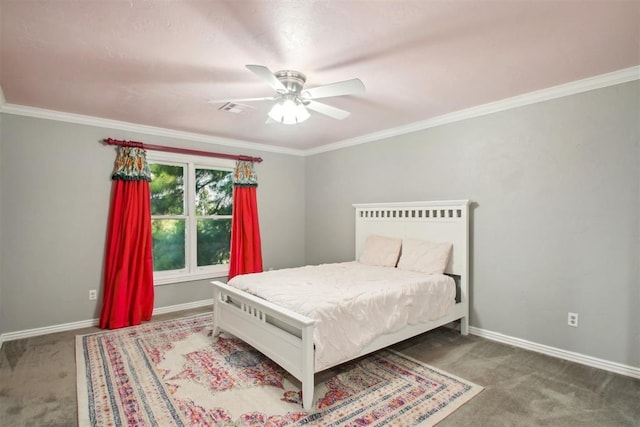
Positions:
{"x": 292, "y": 80}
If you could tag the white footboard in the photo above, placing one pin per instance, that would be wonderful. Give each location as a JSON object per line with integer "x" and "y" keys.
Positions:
{"x": 282, "y": 335}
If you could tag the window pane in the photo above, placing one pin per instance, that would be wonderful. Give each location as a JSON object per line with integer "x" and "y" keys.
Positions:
{"x": 214, "y": 192}
{"x": 167, "y": 189}
{"x": 168, "y": 244}
{"x": 214, "y": 237}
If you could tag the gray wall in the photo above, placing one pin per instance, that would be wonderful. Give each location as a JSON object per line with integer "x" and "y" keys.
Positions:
{"x": 55, "y": 191}
{"x": 555, "y": 223}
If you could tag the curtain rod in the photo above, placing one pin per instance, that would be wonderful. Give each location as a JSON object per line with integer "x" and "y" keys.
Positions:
{"x": 111, "y": 141}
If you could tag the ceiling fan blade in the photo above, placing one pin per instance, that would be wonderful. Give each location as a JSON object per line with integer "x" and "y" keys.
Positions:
{"x": 327, "y": 110}
{"x": 221, "y": 101}
{"x": 347, "y": 87}
{"x": 265, "y": 74}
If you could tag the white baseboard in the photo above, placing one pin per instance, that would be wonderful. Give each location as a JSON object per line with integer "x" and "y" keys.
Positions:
{"x": 594, "y": 362}
{"x": 10, "y": 336}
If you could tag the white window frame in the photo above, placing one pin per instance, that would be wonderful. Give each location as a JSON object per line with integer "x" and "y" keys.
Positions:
{"x": 191, "y": 163}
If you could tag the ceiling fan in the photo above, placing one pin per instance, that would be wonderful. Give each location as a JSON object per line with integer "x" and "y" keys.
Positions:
{"x": 292, "y": 101}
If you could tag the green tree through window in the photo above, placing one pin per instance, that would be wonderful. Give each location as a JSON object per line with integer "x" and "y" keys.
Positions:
{"x": 214, "y": 196}
{"x": 168, "y": 217}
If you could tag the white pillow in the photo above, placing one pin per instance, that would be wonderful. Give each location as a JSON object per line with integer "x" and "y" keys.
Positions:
{"x": 381, "y": 251}
{"x": 424, "y": 256}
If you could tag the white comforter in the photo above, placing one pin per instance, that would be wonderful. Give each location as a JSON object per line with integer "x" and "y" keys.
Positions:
{"x": 352, "y": 303}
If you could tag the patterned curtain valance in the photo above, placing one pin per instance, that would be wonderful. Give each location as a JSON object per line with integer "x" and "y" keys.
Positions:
{"x": 131, "y": 165}
{"x": 244, "y": 174}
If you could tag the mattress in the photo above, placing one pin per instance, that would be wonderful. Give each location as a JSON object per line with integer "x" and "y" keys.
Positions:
{"x": 352, "y": 303}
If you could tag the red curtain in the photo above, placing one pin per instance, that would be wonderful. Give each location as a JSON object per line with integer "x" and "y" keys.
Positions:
{"x": 128, "y": 272}
{"x": 246, "y": 252}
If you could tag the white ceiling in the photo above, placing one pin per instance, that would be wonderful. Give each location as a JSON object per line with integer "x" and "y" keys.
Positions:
{"x": 157, "y": 63}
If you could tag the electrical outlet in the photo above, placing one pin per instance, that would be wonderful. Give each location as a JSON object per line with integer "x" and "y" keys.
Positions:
{"x": 93, "y": 294}
{"x": 572, "y": 319}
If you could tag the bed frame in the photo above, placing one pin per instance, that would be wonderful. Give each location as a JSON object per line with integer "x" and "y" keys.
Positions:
{"x": 287, "y": 337}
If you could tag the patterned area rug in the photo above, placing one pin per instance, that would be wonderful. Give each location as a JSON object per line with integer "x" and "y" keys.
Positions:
{"x": 172, "y": 373}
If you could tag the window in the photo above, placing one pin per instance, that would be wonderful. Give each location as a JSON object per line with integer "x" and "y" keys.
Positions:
{"x": 191, "y": 206}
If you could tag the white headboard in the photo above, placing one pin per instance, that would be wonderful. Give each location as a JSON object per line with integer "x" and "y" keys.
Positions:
{"x": 437, "y": 221}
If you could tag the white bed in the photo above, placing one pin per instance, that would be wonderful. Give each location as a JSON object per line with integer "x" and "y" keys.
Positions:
{"x": 287, "y": 337}
{"x": 352, "y": 303}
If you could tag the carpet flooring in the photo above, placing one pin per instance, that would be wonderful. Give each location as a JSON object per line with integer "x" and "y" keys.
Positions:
{"x": 522, "y": 388}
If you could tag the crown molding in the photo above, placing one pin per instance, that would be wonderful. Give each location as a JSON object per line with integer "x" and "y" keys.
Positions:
{"x": 572, "y": 88}
{"x": 133, "y": 127}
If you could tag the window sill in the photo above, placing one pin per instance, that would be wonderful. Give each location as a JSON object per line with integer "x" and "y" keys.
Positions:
{"x": 190, "y": 277}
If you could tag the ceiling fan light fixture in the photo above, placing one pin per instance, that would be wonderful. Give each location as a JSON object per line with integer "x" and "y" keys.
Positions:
{"x": 289, "y": 112}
